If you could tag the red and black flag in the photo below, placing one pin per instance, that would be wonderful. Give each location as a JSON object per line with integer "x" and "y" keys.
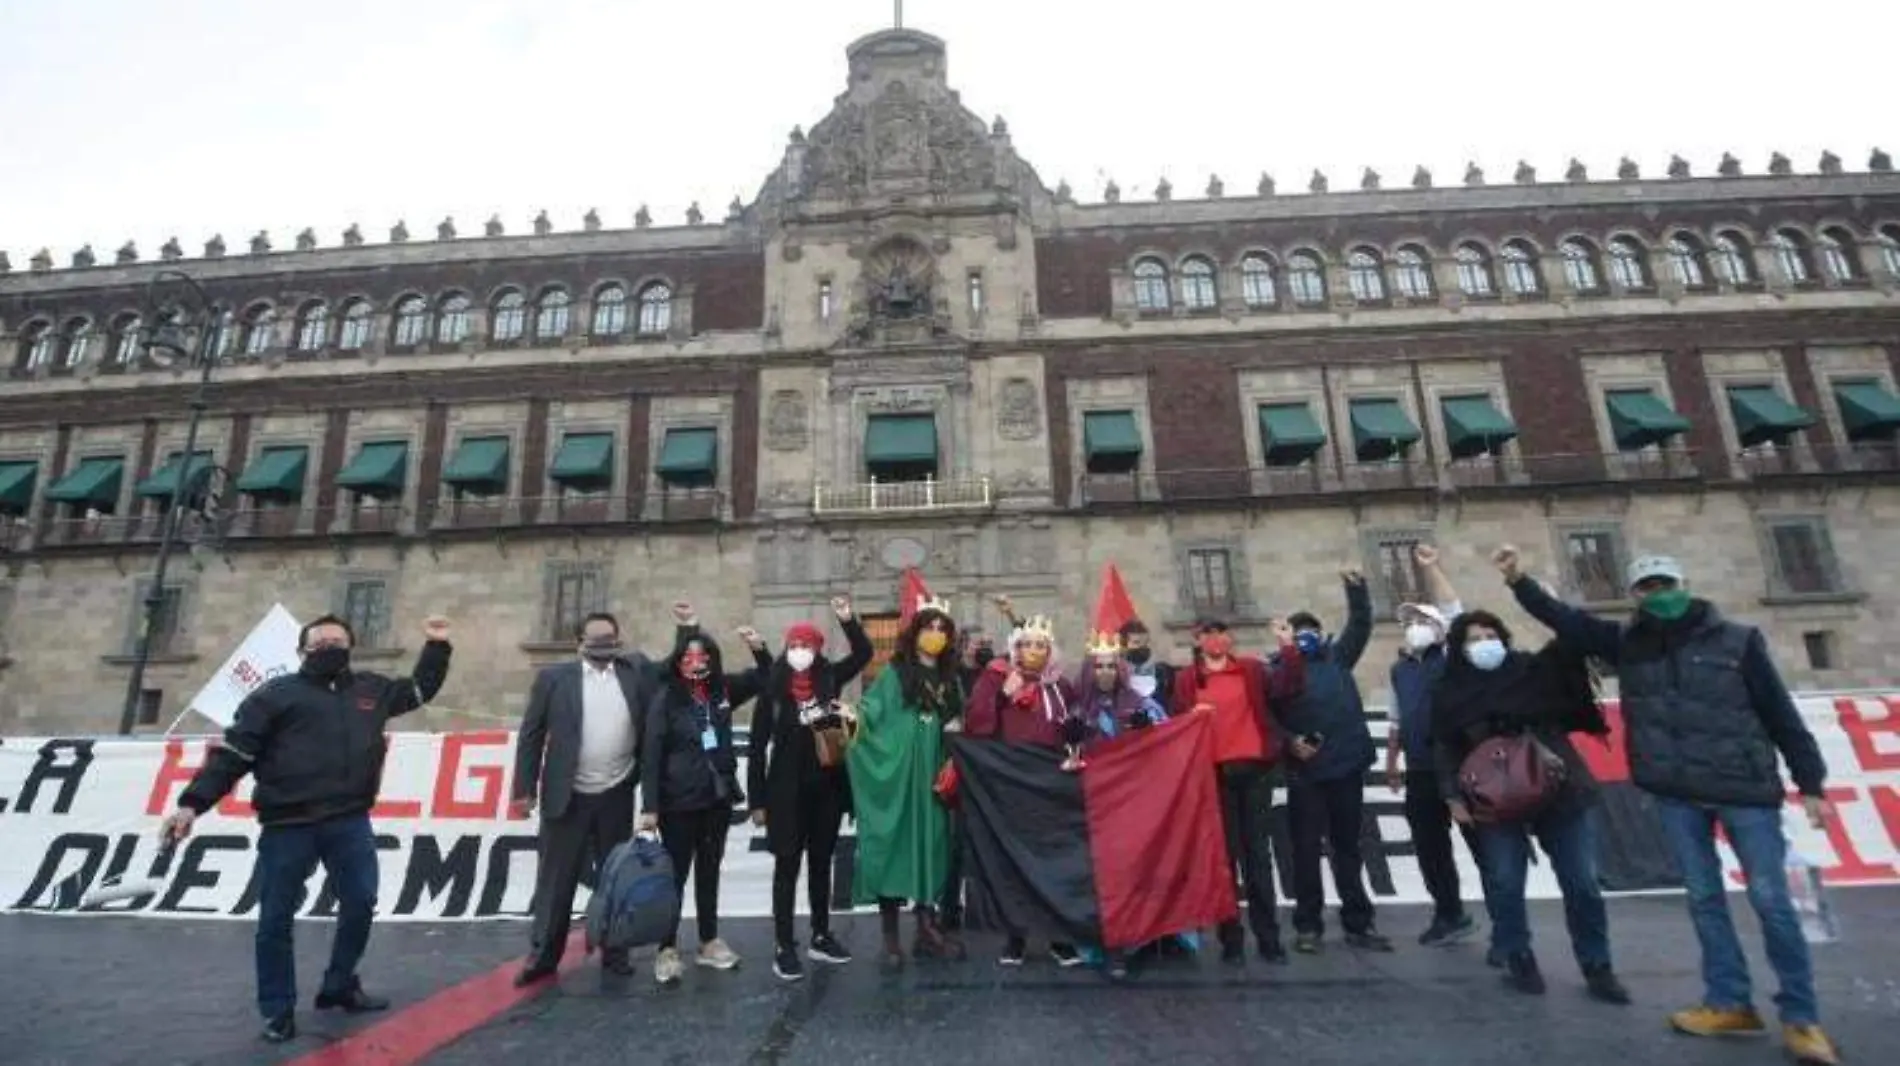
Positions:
{"x": 1126, "y": 851}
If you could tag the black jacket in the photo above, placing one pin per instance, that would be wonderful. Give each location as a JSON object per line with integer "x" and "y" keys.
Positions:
{"x": 316, "y": 749}
{"x": 1546, "y": 695}
{"x": 782, "y": 757}
{"x": 1329, "y": 704}
{"x": 677, "y": 772}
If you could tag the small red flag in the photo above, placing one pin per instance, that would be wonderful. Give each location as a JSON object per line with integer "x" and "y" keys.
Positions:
{"x": 911, "y": 594}
{"x": 1113, "y": 608}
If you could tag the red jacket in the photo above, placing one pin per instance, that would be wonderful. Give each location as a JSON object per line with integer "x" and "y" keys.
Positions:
{"x": 1033, "y": 716}
{"x": 1265, "y": 685}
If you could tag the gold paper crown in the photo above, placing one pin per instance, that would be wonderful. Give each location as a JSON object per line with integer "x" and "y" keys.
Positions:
{"x": 1038, "y": 627}
{"x": 1103, "y": 645}
{"x": 933, "y": 603}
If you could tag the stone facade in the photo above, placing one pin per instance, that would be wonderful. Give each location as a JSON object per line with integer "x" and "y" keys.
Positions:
{"x": 905, "y": 264}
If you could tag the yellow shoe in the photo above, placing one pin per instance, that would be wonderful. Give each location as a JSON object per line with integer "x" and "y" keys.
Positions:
{"x": 1717, "y": 1021}
{"x": 1809, "y": 1045}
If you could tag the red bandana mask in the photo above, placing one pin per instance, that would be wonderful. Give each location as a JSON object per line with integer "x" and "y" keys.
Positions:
{"x": 1216, "y": 645}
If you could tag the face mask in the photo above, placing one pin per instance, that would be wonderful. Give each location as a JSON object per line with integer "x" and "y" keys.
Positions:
{"x": 982, "y": 656}
{"x": 1307, "y": 641}
{"x": 1033, "y": 658}
{"x": 800, "y": 659}
{"x": 932, "y": 642}
{"x": 695, "y": 665}
{"x": 1485, "y": 654}
{"x": 326, "y": 663}
{"x": 1137, "y": 656}
{"x": 1419, "y": 636}
{"x": 1216, "y": 645}
{"x": 600, "y": 651}
{"x": 1144, "y": 686}
{"x": 1667, "y": 604}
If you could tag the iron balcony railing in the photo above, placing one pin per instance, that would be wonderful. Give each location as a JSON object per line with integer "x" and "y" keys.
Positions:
{"x": 904, "y": 497}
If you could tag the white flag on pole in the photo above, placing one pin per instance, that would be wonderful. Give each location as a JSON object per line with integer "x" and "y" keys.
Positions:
{"x": 270, "y": 651}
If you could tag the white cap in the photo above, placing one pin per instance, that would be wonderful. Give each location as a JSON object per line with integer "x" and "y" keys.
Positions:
{"x": 1409, "y": 613}
{"x": 1654, "y": 566}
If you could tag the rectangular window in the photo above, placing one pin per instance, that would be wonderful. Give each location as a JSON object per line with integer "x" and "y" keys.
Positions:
{"x": 366, "y": 609}
{"x": 1820, "y": 648}
{"x": 1395, "y": 575}
{"x": 824, "y": 301}
{"x": 1803, "y": 558}
{"x": 166, "y": 627}
{"x": 150, "y": 701}
{"x": 1210, "y": 581}
{"x": 975, "y": 283}
{"x": 1594, "y": 560}
{"x": 575, "y": 590}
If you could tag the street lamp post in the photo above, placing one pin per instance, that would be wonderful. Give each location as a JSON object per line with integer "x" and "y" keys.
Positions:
{"x": 165, "y": 344}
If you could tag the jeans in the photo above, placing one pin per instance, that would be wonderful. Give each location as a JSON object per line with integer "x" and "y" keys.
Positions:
{"x": 286, "y": 857}
{"x": 1569, "y": 838}
{"x": 1334, "y": 810}
{"x": 1755, "y": 835}
{"x": 1246, "y": 804}
{"x": 1430, "y": 822}
{"x": 696, "y": 842}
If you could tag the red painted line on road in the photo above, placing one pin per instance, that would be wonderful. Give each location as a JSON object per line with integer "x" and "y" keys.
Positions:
{"x": 411, "y": 1034}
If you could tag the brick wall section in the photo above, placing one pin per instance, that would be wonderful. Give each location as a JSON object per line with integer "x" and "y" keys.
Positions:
{"x": 1550, "y": 401}
{"x": 435, "y": 434}
{"x": 1062, "y": 473}
{"x": 534, "y": 458}
{"x": 236, "y": 454}
{"x": 62, "y": 455}
{"x": 639, "y": 412}
{"x": 1806, "y": 394}
{"x": 144, "y": 464}
{"x": 1689, "y": 383}
{"x": 745, "y": 445}
{"x": 330, "y": 456}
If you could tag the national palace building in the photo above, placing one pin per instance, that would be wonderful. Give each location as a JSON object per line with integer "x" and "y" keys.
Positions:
{"x": 910, "y": 350}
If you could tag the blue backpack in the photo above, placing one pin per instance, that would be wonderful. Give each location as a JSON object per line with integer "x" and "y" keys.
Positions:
{"x": 635, "y": 901}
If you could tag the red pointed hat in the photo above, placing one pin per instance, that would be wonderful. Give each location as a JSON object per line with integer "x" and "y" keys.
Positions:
{"x": 1113, "y": 608}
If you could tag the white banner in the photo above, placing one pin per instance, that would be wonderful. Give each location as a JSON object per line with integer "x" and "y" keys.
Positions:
{"x": 269, "y": 651}
{"x": 74, "y": 811}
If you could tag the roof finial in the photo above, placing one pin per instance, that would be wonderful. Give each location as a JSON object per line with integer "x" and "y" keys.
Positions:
{"x": 897, "y": 16}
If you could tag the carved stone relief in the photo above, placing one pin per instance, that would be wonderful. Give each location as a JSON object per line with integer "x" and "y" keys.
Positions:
{"x": 787, "y": 421}
{"x": 901, "y": 552}
{"x": 1018, "y": 410}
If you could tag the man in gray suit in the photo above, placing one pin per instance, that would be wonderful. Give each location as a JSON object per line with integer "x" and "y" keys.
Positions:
{"x": 578, "y": 755}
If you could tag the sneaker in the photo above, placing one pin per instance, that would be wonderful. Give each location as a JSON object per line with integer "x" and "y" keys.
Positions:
{"x": 1274, "y": 952}
{"x": 1117, "y": 966}
{"x": 1012, "y": 956}
{"x": 1065, "y": 955}
{"x": 1494, "y": 958}
{"x": 714, "y": 954}
{"x": 1604, "y": 985}
{"x": 1718, "y": 1021}
{"x": 824, "y": 948}
{"x": 667, "y": 966}
{"x": 351, "y": 1000}
{"x": 281, "y": 1028}
{"x": 1444, "y": 933}
{"x": 1809, "y": 1045}
{"x": 1522, "y": 974}
{"x": 1306, "y": 943}
{"x": 1370, "y": 940}
{"x": 786, "y": 965}
{"x": 1233, "y": 952}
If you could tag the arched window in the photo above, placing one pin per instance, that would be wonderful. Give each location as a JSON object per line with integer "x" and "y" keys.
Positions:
{"x": 412, "y": 321}
{"x": 1520, "y": 269}
{"x": 551, "y": 315}
{"x": 358, "y": 320}
{"x": 1889, "y": 241}
{"x": 1732, "y": 260}
{"x": 510, "y": 319}
{"x": 1474, "y": 271}
{"x": 1151, "y": 286}
{"x": 610, "y": 311}
{"x": 224, "y": 334}
{"x": 1839, "y": 257}
{"x": 260, "y": 330}
{"x": 1198, "y": 291}
{"x": 1629, "y": 265}
{"x": 1256, "y": 281}
{"x": 1411, "y": 274}
{"x": 1365, "y": 276}
{"x": 451, "y": 325}
{"x": 313, "y": 327}
{"x": 79, "y": 341}
{"x": 127, "y": 339}
{"x": 1685, "y": 262}
{"x": 1580, "y": 266}
{"x": 1791, "y": 256}
{"x": 39, "y": 345}
{"x": 1306, "y": 279}
{"x": 656, "y": 309}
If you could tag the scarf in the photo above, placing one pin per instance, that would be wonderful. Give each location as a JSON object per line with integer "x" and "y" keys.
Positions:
{"x": 803, "y": 688}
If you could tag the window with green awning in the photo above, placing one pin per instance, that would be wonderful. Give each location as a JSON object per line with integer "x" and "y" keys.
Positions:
{"x": 689, "y": 458}
{"x": 901, "y": 447}
{"x": 1289, "y": 434}
{"x": 94, "y": 484}
{"x": 1111, "y": 442}
{"x": 1474, "y": 426}
{"x": 1868, "y": 411}
{"x": 479, "y": 466}
{"x": 16, "y": 486}
{"x": 1762, "y": 416}
{"x": 276, "y": 474}
{"x": 1381, "y": 430}
{"x": 1640, "y": 418}
{"x": 379, "y": 470}
{"x": 161, "y": 483}
{"x": 584, "y": 462}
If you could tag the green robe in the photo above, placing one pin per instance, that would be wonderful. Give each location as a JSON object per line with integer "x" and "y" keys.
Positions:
{"x": 903, "y": 830}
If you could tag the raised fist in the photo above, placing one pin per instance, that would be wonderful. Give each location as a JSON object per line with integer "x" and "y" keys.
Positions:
{"x": 1352, "y": 575}
{"x": 750, "y": 636}
{"x": 436, "y": 628}
{"x": 683, "y": 612}
{"x": 1507, "y": 561}
{"x": 841, "y": 606}
{"x": 1425, "y": 555}
{"x": 1282, "y": 632}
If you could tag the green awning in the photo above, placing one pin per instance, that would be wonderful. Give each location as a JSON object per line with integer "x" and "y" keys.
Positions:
{"x": 900, "y": 440}
{"x": 689, "y": 458}
{"x": 585, "y": 461}
{"x": 16, "y": 486}
{"x": 1111, "y": 435}
{"x": 1474, "y": 426}
{"x": 93, "y": 483}
{"x": 161, "y": 483}
{"x": 1761, "y": 415}
{"x": 379, "y": 471}
{"x": 1380, "y": 430}
{"x": 479, "y": 466}
{"x": 1289, "y": 434}
{"x": 276, "y": 474}
{"x": 1869, "y": 411}
{"x": 1639, "y": 418}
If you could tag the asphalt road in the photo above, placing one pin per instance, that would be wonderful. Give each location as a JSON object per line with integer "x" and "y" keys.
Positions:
{"x": 103, "y": 991}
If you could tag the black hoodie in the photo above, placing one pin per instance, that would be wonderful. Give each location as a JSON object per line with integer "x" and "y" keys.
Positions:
{"x": 678, "y": 772}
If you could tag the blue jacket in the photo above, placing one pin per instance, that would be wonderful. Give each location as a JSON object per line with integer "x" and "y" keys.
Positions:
{"x": 1412, "y": 679}
{"x": 1330, "y": 703}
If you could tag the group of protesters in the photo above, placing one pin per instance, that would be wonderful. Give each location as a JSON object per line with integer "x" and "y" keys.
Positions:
{"x": 1705, "y": 710}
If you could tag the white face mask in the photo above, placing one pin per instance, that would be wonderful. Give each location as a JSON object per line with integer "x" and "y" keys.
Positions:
{"x": 1419, "y": 636}
{"x": 1485, "y": 654}
{"x": 801, "y": 659}
{"x": 1143, "y": 684}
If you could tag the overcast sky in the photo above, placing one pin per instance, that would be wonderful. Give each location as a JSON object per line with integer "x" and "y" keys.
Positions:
{"x": 148, "y": 118}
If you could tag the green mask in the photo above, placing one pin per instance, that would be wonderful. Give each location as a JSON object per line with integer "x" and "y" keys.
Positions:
{"x": 1667, "y": 604}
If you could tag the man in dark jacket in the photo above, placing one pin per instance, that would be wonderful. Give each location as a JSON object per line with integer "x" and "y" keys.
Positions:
{"x": 1326, "y": 778}
{"x": 1150, "y": 677}
{"x": 314, "y": 743}
{"x": 1705, "y": 712}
